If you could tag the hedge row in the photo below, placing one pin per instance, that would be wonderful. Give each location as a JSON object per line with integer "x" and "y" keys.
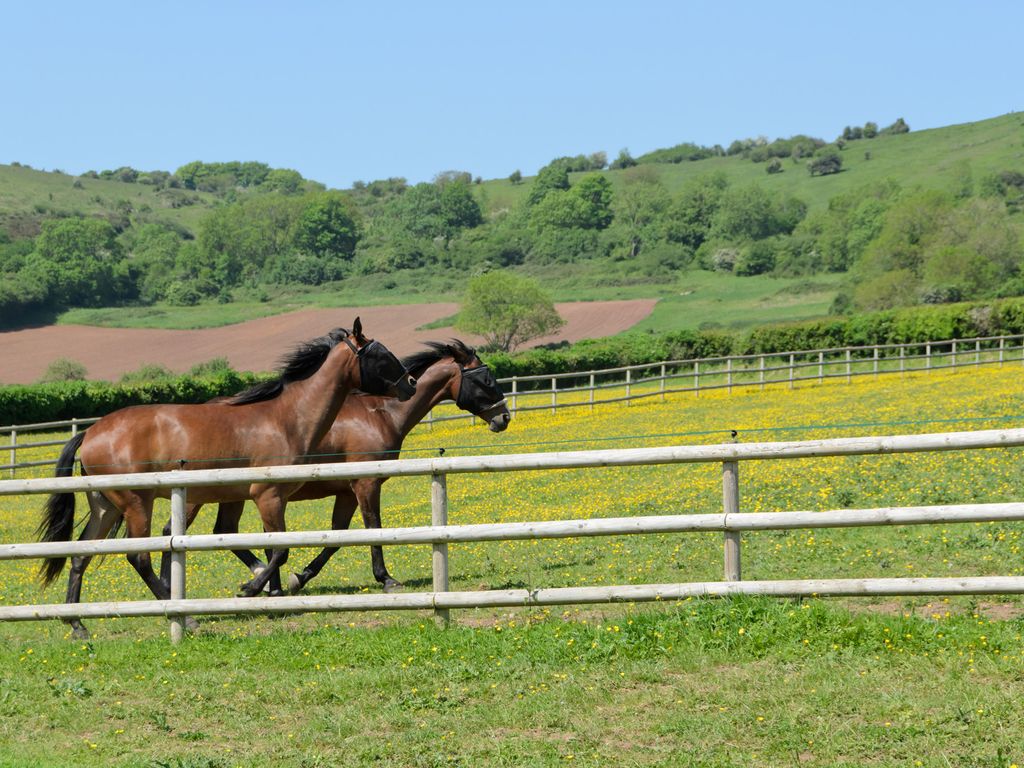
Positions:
{"x": 918, "y": 324}
{"x": 34, "y": 403}
{"x": 53, "y": 402}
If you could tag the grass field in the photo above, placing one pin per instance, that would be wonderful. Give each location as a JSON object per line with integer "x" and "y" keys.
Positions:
{"x": 928, "y": 158}
{"x": 704, "y": 682}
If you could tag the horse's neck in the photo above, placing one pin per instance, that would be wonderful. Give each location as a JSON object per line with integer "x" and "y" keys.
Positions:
{"x": 431, "y": 388}
{"x": 312, "y": 404}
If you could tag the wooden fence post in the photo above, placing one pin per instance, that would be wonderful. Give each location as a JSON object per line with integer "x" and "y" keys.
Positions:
{"x": 515, "y": 381}
{"x": 14, "y": 450}
{"x": 1002, "y": 347}
{"x": 728, "y": 373}
{"x": 439, "y": 516}
{"x": 848, "y": 371}
{"x": 177, "y": 561}
{"x": 663, "y": 382}
{"x": 731, "y": 505}
{"x": 760, "y": 366}
{"x": 791, "y": 371}
{"x": 953, "y": 364}
{"x": 875, "y": 357}
{"x": 821, "y": 367}
{"x": 902, "y": 355}
{"x": 554, "y": 394}
{"x": 629, "y": 381}
{"x": 696, "y": 377}
{"x": 591, "y": 390}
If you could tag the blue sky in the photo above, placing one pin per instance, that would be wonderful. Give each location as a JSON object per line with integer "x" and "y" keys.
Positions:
{"x": 346, "y": 91}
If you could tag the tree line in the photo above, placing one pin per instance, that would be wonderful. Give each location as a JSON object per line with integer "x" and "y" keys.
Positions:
{"x": 898, "y": 246}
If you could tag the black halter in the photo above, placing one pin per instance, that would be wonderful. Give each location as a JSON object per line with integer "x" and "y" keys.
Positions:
{"x": 374, "y": 362}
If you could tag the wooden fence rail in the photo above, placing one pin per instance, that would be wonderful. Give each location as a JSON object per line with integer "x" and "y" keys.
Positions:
{"x": 731, "y": 522}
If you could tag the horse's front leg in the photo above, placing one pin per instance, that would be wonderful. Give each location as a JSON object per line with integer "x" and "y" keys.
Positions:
{"x": 368, "y": 493}
{"x": 271, "y": 501}
{"x": 344, "y": 508}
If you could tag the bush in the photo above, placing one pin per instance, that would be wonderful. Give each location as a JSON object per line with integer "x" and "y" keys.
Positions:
{"x": 64, "y": 369}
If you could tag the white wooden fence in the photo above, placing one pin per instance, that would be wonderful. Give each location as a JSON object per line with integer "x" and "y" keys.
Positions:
{"x": 584, "y": 388}
{"x": 730, "y": 521}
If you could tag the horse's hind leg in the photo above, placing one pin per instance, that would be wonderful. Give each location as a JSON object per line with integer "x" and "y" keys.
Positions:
{"x": 368, "y": 491}
{"x": 102, "y": 517}
{"x": 344, "y": 508}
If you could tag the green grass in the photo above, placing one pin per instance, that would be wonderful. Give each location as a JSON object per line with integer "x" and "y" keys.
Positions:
{"x": 841, "y": 682}
{"x": 693, "y": 299}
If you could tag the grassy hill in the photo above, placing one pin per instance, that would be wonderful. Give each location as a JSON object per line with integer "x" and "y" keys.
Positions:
{"x": 940, "y": 158}
{"x": 28, "y": 197}
{"x": 932, "y": 158}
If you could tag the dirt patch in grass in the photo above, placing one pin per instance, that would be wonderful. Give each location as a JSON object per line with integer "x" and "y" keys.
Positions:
{"x": 108, "y": 353}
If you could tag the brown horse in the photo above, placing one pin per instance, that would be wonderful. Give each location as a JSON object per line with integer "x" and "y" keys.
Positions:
{"x": 372, "y": 428}
{"x": 277, "y": 422}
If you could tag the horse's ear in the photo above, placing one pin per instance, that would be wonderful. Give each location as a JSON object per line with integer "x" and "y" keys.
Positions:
{"x": 357, "y": 329}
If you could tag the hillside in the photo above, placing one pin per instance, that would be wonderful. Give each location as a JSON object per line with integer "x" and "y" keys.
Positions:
{"x": 730, "y": 240}
{"x": 28, "y": 197}
{"x": 931, "y": 159}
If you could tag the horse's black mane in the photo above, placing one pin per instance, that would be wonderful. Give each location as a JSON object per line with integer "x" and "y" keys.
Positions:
{"x": 417, "y": 363}
{"x": 301, "y": 363}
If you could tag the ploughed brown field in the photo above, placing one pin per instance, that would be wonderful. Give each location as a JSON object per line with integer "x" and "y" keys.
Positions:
{"x": 108, "y": 353}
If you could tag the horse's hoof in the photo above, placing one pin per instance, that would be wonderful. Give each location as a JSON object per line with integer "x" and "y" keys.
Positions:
{"x": 191, "y": 624}
{"x": 276, "y": 592}
{"x": 80, "y": 633}
{"x": 295, "y": 583}
{"x": 257, "y": 571}
{"x": 393, "y": 586}
{"x": 246, "y": 590}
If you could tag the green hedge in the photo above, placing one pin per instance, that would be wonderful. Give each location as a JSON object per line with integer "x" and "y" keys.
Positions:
{"x": 52, "y": 402}
{"x": 34, "y": 403}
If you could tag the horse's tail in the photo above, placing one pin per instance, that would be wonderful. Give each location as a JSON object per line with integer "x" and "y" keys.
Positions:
{"x": 59, "y": 512}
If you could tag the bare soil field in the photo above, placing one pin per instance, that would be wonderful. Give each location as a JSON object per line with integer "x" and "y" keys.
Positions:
{"x": 108, "y": 353}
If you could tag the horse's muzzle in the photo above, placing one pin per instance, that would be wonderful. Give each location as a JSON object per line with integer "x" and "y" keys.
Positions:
{"x": 499, "y": 422}
{"x": 405, "y": 388}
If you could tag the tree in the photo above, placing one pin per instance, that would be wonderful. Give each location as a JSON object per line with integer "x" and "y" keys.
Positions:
{"x": 79, "y": 259}
{"x": 549, "y": 178}
{"x": 327, "y": 228}
{"x": 507, "y": 310}
{"x": 64, "y": 369}
{"x": 624, "y": 160}
{"x": 825, "y": 163}
{"x": 516, "y": 177}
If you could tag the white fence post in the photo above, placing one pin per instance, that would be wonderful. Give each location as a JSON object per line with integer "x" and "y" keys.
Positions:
{"x": 14, "y": 450}
{"x": 903, "y": 351}
{"x": 728, "y": 373}
{"x": 1002, "y": 347}
{"x": 629, "y": 381}
{"x": 927, "y": 357}
{"x": 760, "y": 366}
{"x": 731, "y": 505}
{"x": 515, "y": 381}
{"x": 848, "y": 371}
{"x": 791, "y": 371}
{"x": 439, "y": 516}
{"x": 74, "y": 427}
{"x": 554, "y": 394}
{"x": 662, "y": 382}
{"x": 177, "y": 561}
{"x": 953, "y": 364}
{"x": 821, "y": 367}
{"x": 696, "y": 377}
{"x": 591, "y": 390}
{"x": 875, "y": 366}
